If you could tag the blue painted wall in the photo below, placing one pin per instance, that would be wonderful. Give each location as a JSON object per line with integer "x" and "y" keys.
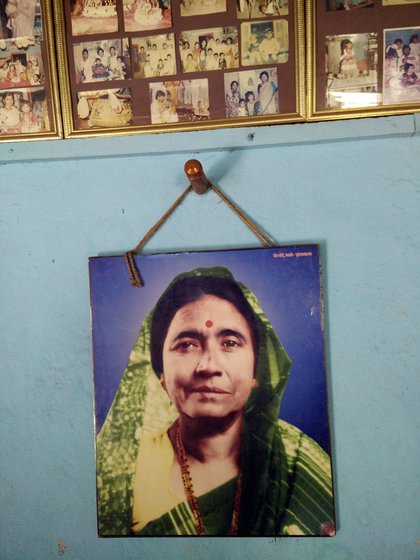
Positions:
{"x": 359, "y": 198}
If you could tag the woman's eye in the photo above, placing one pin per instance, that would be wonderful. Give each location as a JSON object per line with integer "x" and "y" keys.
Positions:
{"x": 230, "y": 343}
{"x": 185, "y": 345}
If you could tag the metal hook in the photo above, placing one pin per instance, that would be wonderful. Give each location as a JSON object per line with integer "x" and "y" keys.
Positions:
{"x": 198, "y": 181}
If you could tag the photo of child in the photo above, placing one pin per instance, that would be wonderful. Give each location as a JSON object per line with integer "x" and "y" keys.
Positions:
{"x": 352, "y": 78}
{"x": 102, "y": 60}
{"x": 179, "y": 101}
{"x": 401, "y": 81}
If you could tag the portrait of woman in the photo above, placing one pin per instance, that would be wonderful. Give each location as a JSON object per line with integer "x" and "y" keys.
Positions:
{"x": 267, "y": 95}
{"x": 192, "y": 443}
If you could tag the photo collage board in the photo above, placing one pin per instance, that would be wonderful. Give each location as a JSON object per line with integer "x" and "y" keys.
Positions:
{"x": 28, "y": 89}
{"x": 366, "y": 56}
{"x": 180, "y": 63}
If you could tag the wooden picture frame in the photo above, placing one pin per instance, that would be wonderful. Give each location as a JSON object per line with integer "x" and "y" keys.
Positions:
{"x": 29, "y": 96}
{"x": 179, "y": 65}
{"x": 363, "y": 58}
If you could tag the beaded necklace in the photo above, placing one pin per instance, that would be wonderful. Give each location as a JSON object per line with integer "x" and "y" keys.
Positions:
{"x": 192, "y": 500}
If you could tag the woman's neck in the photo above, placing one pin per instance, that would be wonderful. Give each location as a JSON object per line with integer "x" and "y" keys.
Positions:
{"x": 207, "y": 440}
{"x": 212, "y": 449}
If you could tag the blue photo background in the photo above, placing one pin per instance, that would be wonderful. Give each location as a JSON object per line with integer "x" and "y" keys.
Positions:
{"x": 287, "y": 285}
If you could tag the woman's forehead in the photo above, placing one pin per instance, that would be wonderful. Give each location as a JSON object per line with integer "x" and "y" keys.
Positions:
{"x": 208, "y": 308}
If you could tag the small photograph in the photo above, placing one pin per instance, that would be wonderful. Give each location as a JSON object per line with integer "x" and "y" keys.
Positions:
{"x": 402, "y": 65}
{"x": 181, "y": 101}
{"x": 209, "y": 49}
{"x": 251, "y": 9}
{"x": 93, "y": 16}
{"x": 153, "y": 56}
{"x": 352, "y": 78}
{"x": 102, "y": 60}
{"x": 264, "y": 42}
{"x": 251, "y": 93}
{"x": 202, "y": 7}
{"x": 340, "y": 5}
{"x": 145, "y": 15}
{"x": 20, "y": 68}
{"x": 106, "y": 108}
{"x": 20, "y": 19}
{"x": 23, "y": 111}
{"x": 399, "y": 2}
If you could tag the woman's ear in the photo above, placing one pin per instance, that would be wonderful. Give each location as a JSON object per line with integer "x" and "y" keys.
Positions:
{"x": 162, "y": 381}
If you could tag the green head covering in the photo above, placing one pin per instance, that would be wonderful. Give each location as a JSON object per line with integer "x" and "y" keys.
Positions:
{"x": 141, "y": 406}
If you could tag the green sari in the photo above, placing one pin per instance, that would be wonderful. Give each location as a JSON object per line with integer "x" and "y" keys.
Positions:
{"x": 286, "y": 476}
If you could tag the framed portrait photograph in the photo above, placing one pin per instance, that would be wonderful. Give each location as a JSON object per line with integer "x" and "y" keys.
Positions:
{"x": 196, "y": 44}
{"x": 361, "y": 66}
{"x": 29, "y": 97}
{"x": 211, "y": 415}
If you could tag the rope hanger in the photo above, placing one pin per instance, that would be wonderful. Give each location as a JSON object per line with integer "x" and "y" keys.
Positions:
{"x": 199, "y": 184}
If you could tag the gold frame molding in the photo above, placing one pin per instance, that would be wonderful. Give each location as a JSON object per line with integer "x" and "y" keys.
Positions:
{"x": 67, "y": 88}
{"x": 314, "y": 42}
{"x": 48, "y": 51}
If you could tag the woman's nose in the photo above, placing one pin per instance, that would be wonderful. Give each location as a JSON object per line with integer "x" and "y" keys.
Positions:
{"x": 208, "y": 363}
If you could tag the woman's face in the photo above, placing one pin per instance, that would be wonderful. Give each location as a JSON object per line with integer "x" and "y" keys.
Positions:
{"x": 8, "y": 101}
{"x": 208, "y": 359}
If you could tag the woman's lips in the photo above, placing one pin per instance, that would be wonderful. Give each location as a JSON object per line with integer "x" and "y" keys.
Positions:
{"x": 207, "y": 389}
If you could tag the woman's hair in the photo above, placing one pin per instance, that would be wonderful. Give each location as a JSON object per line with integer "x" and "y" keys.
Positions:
{"x": 344, "y": 43}
{"x": 188, "y": 290}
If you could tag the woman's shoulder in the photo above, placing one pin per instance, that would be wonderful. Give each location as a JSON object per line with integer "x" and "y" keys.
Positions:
{"x": 298, "y": 445}
{"x": 310, "y": 507}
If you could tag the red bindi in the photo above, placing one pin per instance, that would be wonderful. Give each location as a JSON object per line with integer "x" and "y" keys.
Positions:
{"x": 209, "y": 324}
